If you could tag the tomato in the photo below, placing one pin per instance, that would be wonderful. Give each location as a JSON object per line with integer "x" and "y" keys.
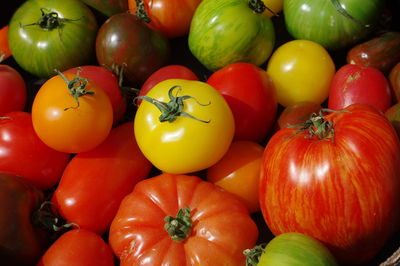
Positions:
{"x": 298, "y": 113}
{"x": 214, "y": 227}
{"x": 126, "y": 44}
{"x": 169, "y": 17}
{"x": 94, "y": 182}
{"x": 42, "y": 166}
{"x": 295, "y": 249}
{"x": 238, "y": 172}
{"x": 393, "y": 115}
{"x": 178, "y": 139}
{"x": 4, "y": 47}
{"x": 22, "y": 242}
{"x": 108, "y": 7}
{"x": 290, "y": 66}
{"x": 229, "y": 31}
{"x": 250, "y": 94}
{"x": 275, "y": 6}
{"x": 357, "y": 84}
{"x": 13, "y": 93}
{"x": 78, "y": 247}
{"x": 45, "y": 35}
{"x": 163, "y": 73}
{"x": 339, "y": 184}
{"x": 394, "y": 81}
{"x": 332, "y": 23}
{"x": 109, "y": 82}
{"x": 74, "y": 119}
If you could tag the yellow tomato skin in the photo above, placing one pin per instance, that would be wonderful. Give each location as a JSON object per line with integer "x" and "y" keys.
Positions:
{"x": 239, "y": 172}
{"x": 301, "y": 70}
{"x": 74, "y": 130}
{"x": 274, "y": 5}
{"x": 185, "y": 145}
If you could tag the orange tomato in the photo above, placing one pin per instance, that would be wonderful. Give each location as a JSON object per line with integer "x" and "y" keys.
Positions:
{"x": 238, "y": 172}
{"x": 63, "y": 124}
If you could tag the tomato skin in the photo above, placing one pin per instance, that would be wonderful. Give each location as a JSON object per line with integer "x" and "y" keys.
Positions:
{"x": 78, "y": 247}
{"x": 251, "y": 95}
{"x": 238, "y": 172}
{"x": 13, "y": 95}
{"x": 108, "y": 82}
{"x": 21, "y": 242}
{"x": 355, "y": 84}
{"x": 169, "y": 17}
{"x": 297, "y": 113}
{"x": 94, "y": 183}
{"x": 124, "y": 41}
{"x": 394, "y": 81}
{"x": 163, "y": 73}
{"x": 290, "y": 66}
{"x": 108, "y": 7}
{"x": 4, "y": 47}
{"x": 42, "y": 166}
{"x": 222, "y": 227}
{"x": 275, "y": 5}
{"x": 182, "y": 146}
{"x": 337, "y": 191}
{"x": 39, "y": 51}
{"x": 74, "y": 130}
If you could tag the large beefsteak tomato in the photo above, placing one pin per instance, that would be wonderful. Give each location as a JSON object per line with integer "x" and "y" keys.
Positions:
{"x": 212, "y": 226}
{"x": 335, "y": 178}
{"x": 45, "y": 35}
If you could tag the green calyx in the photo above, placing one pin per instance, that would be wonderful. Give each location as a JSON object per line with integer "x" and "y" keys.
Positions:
{"x": 49, "y": 20}
{"x": 179, "y": 227}
{"x": 253, "y": 255}
{"x": 259, "y": 7}
{"x": 141, "y": 11}
{"x": 343, "y": 11}
{"x": 48, "y": 217}
{"x": 171, "y": 110}
{"x": 77, "y": 88}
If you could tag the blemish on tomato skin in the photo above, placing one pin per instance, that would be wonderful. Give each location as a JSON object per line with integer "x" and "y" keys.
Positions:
{"x": 353, "y": 77}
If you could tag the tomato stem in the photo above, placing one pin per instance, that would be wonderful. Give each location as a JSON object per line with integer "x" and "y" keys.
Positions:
{"x": 259, "y": 7}
{"x": 76, "y": 87}
{"x": 253, "y": 255}
{"x": 179, "y": 227}
{"x": 141, "y": 11}
{"x": 343, "y": 11}
{"x": 174, "y": 108}
{"x": 47, "y": 216}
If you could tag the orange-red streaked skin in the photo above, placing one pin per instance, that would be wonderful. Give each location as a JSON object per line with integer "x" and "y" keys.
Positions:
{"x": 222, "y": 227}
{"x": 344, "y": 192}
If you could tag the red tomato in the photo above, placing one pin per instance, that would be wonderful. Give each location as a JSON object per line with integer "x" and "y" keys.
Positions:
{"x": 339, "y": 185}
{"x": 170, "y": 17}
{"x": 94, "y": 183}
{"x": 24, "y": 154}
{"x": 12, "y": 90}
{"x": 78, "y": 247}
{"x": 69, "y": 123}
{"x": 250, "y": 94}
{"x": 163, "y": 73}
{"x": 108, "y": 82}
{"x": 394, "y": 79}
{"x": 239, "y": 171}
{"x": 214, "y": 227}
{"x": 4, "y": 47}
{"x": 297, "y": 113}
{"x": 355, "y": 84}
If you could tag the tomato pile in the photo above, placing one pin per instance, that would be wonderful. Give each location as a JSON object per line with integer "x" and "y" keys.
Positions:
{"x": 199, "y": 132}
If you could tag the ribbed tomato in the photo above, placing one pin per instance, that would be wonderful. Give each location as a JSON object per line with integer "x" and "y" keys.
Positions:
{"x": 339, "y": 184}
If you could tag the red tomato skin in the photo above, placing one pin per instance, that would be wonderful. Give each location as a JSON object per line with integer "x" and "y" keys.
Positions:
{"x": 344, "y": 193}
{"x": 163, "y": 73}
{"x": 355, "y": 84}
{"x": 24, "y": 154}
{"x": 78, "y": 247}
{"x": 13, "y": 95}
{"x": 222, "y": 227}
{"x": 250, "y": 94}
{"x": 94, "y": 183}
{"x": 108, "y": 82}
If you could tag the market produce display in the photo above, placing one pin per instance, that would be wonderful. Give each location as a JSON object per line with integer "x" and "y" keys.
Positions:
{"x": 200, "y": 132}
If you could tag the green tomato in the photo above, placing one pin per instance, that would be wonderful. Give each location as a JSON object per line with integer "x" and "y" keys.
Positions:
{"x": 223, "y": 32}
{"x": 295, "y": 249}
{"x": 45, "y": 35}
{"x": 332, "y": 24}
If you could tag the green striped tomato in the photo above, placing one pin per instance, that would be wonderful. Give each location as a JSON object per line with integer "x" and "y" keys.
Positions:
{"x": 320, "y": 20}
{"x": 63, "y": 38}
{"x": 223, "y": 32}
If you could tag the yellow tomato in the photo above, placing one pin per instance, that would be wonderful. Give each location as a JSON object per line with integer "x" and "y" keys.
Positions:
{"x": 301, "y": 70}
{"x": 239, "y": 172}
{"x": 274, "y": 5}
{"x": 194, "y": 136}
